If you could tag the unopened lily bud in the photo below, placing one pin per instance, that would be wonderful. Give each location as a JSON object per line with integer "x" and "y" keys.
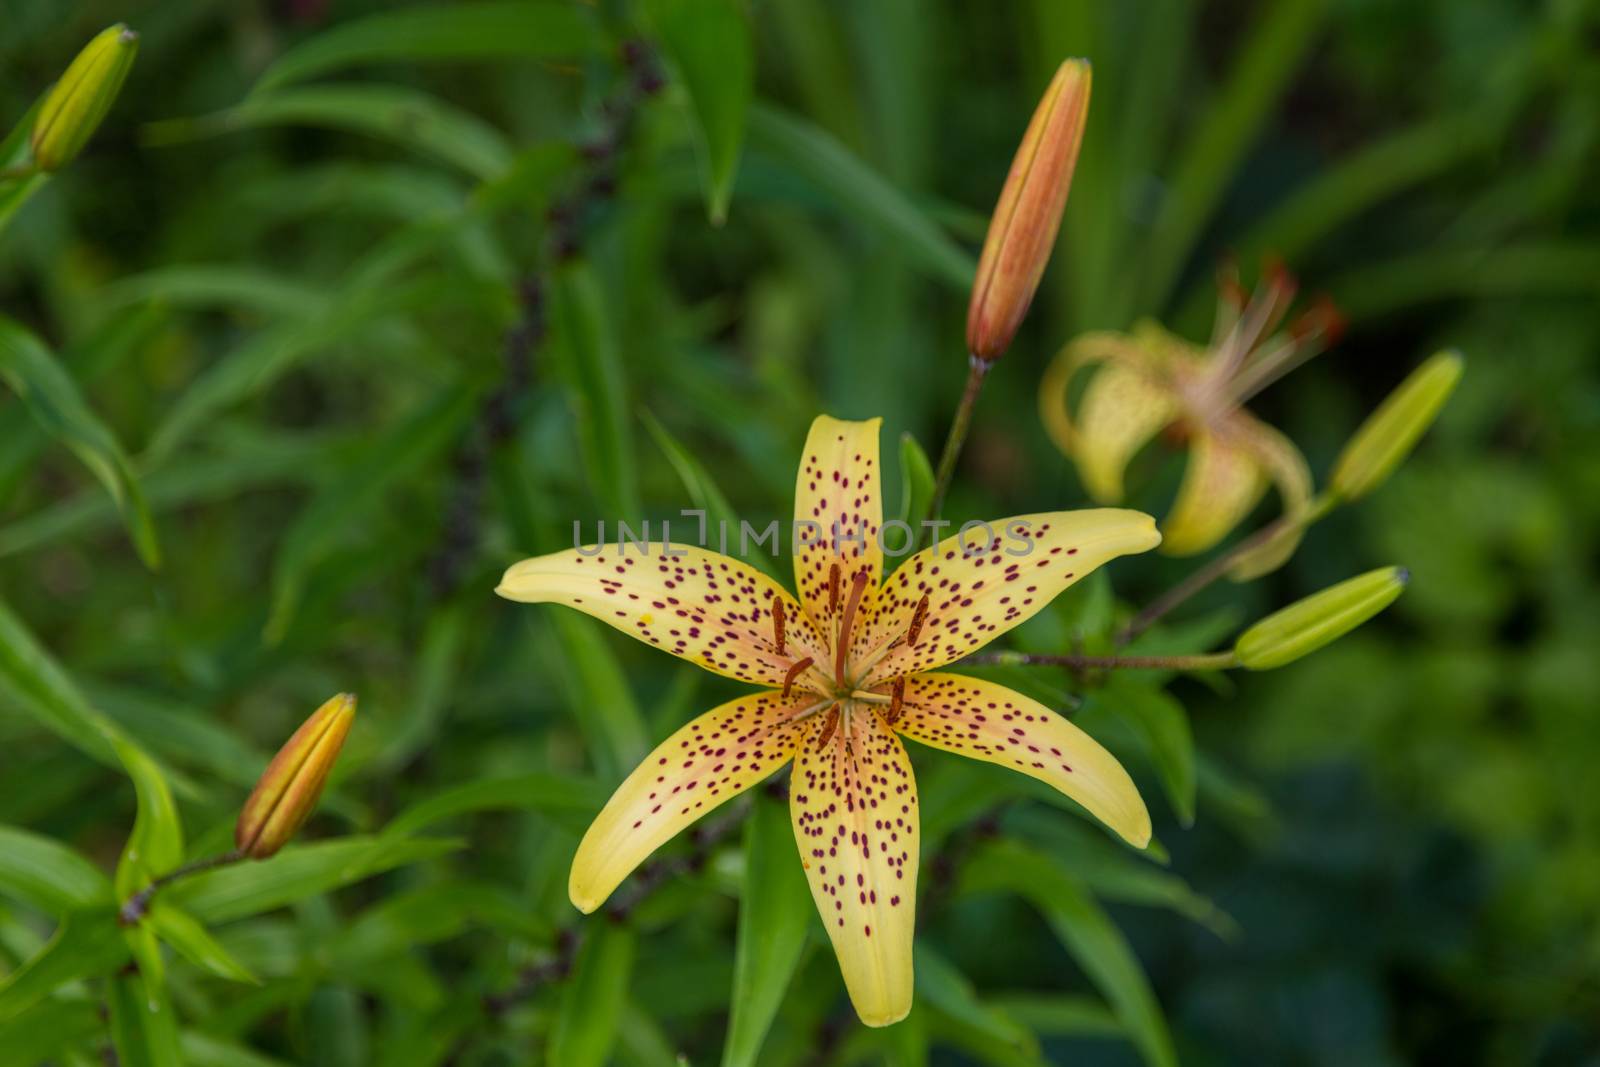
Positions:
{"x": 1390, "y": 433}
{"x": 1308, "y": 624}
{"x": 77, "y": 103}
{"x": 1023, "y": 229}
{"x": 292, "y": 783}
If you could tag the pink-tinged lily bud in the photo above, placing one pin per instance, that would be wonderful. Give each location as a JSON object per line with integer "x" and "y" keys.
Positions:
{"x": 1023, "y": 229}
{"x": 292, "y": 783}
{"x": 74, "y": 107}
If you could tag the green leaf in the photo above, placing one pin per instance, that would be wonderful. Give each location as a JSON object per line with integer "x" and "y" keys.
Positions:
{"x": 194, "y": 943}
{"x": 85, "y": 943}
{"x": 523, "y": 29}
{"x": 598, "y": 695}
{"x": 155, "y": 846}
{"x": 703, "y": 490}
{"x": 1056, "y": 1015}
{"x": 393, "y": 457}
{"x": 599, "y": 388}
{"x": 52, "y": 397}
{"x": 1228, "y": 127}
{"x": 43, "y": 690}
{"x": 225, "y": 285}
{"x": 941, "y": 984}
{"x": 409, "y": 118}
{"x": 1162, "y": 723}
{"x": 438, "y": 666}
{"x": 49, "y": 1029}
{"x": 861, "y": 192}
{"x": 14, "y": 192}
{"x": 547, "y": 793}
{"x": 48, "y": 875}
{"x": 144, "y": 1028}
{"x": 774, "y": 917}
{"x": 296, "y": 873}
{"x": 592, "y": 1002}
{"x": 207, "y": 1050}
{"x": 916, "y": 483}
{"x": 1085, "y": 930}
{"x": 710, "y": 44}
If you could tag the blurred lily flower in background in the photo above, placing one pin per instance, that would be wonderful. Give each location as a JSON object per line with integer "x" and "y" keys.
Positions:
{"x": 1150, "y": 381}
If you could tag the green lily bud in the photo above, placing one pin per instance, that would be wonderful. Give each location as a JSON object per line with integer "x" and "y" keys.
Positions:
{"x": 289, "y": 788}
{"x": 77, "y": 103}
{"x": 1390, "y": 433}
{"x": 1307, "y": 625}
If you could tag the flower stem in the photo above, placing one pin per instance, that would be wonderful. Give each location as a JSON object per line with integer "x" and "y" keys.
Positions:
{"x": 138, "y": 905}
{"x": 977, "y": 370}
{"x": 1210, "y": 661}
{"x": 1200, "y": 578}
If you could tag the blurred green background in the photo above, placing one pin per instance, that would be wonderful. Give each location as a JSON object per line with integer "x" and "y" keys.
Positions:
{"x": 323, "y": 314}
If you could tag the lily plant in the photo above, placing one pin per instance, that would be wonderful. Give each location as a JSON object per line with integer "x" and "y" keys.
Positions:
{"x": 848, "y": 665}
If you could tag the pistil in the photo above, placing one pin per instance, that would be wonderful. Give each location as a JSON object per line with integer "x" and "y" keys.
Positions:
{"x": 842, "y": 648}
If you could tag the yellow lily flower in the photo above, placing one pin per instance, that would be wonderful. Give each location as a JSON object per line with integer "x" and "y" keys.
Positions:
{"x": 849, "y": 668}
{"x": 1150, "y": 380}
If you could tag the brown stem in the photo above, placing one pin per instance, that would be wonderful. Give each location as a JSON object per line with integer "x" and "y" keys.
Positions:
{"x": 1211, "y": 661}
{"x": 138, "y": 905}
{"x": 977, "y": 370}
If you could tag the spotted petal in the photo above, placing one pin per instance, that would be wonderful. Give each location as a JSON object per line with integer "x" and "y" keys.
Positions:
{"x": 1220, "y": 485}
{"x": 854, "y": 806}
{"x": 711, "y": 760}
{"x": 981, "y": 584}
{"x": 989, "y": 722}
{"x": 838, "y": 513}
{"x": 707, "y": 608}
{"x": 1287, "y": 468}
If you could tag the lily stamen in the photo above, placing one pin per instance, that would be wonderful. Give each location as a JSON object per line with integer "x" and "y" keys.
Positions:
{"x": 858, "y": 585}
{"x": 795, "y": 671}
{"x": 777, "y": 623}
{"x": 829, "y": 724}
{"x": 833, "y": 588}
{"x": 897, "y": 701}
{"x": 918, "y": 617}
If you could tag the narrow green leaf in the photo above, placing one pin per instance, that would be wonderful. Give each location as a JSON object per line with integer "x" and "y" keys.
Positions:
{"x": 144, "y": 1028}
{"x": 916, "y": 482}
{"x": 1164, "y": 726}
{"x": 48, "y": 875}
{"x": 227, "y": 285}
{"x": 48, "y": 1030}
{"x": 941, "y": 984}
{"x": 774, "y": 917}
{"x": 156, "y": 844}
{"x": 207, "y": 1050}
{"x": 710, "y": 44}
{"x": 592, "y": 1002}
{"x": 85, "y": 943}
{"x": 194, "y": 943}
{"x": 406, "y": 117}
{"x": 861, "y": 192}
{"x": 547, "y": 793}
{"x": 52, "y": 397}
{"x": 704, "y": 494}
{"x": 1086, "y": 931}
{"x": 598, "y": 694}
{"x": 351, "y": 496}
{"x": 522, "y": 29}
{"x": 43, "y": 690}
{"x": 15, "y": 192}
{"x": 1256, "y": 82}
{"x": 298, "y": 872}
{"x": 1055, "y": 1015}
{"x": 599, "y": 388}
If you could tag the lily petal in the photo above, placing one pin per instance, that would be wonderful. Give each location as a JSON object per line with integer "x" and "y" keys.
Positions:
{"x": 989, "y": 722}
{"x": 1220, "y": 485}
{"x": 711, "y": 760}
{"x": 705, "y": 607}
{"x": 981, "y": 585}
{"x": 1283, "y": 462}
{"x": 840, "y": 484}
{"x": 853, "y": 801}
{"x": 1124, "y": 405}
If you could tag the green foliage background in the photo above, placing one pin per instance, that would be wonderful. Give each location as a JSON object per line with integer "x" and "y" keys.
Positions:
{"x": 263, "y": 354}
